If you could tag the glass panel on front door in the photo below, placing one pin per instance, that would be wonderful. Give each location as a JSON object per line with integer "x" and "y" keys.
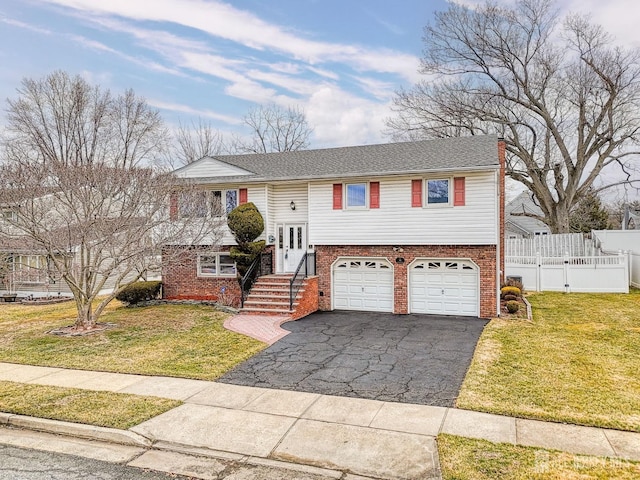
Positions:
{"x": 292, "y": 246}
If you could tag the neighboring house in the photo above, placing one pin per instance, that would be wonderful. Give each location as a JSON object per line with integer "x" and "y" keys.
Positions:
{"x": 413, "y": 227}
{"x": 26, "y": 269}
{"x": 518, "y": 225}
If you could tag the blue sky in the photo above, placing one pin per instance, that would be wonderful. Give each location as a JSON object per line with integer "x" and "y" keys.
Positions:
{"x": 339, "y": 60}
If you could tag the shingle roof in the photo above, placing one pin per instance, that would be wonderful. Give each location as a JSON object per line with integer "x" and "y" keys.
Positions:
{"x": 464, "y": 153}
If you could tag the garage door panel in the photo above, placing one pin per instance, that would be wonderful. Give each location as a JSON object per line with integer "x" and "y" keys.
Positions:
{"x": 448, "y": 287}
{"x": 363, "y": 284}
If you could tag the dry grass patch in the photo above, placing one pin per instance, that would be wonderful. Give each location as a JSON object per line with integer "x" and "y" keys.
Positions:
{"x": 175, "y": 340}
{"x": 103, "y": 409}
{"x": 470, "y": 459}
{"x": 577, "y": 362}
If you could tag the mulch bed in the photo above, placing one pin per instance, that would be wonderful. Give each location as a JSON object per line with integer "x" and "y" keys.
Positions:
{"x": 521, "y": 314}
{"x": 75, "y": 331}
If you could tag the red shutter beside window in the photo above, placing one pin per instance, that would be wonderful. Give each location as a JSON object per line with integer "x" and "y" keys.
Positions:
{"x": 173, "y": 206}
{"x": 337, "y": 196}
{"x": 243, "y": 196}
{"x": 458, "y": 191}
{"x": 416, "y": 193}
{"x": 374, "y": 195}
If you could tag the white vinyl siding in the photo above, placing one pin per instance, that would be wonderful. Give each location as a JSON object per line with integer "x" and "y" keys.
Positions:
{"x": 397, "y": 223}
{"x": 283, "y": 195}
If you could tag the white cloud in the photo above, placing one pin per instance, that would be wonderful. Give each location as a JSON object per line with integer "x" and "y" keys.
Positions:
{"x": 176, "y": 107}
{"x": 26, "y": 26}
{"x": 618, "y": 17}
{"x": 225, "y": 21}
{"x": 340, "y": 118}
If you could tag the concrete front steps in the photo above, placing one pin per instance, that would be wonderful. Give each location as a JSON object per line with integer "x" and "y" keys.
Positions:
{"x": 270, "y": 296}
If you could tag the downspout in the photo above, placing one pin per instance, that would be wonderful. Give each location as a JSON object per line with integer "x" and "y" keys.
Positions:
{"x": 501, "y": 201}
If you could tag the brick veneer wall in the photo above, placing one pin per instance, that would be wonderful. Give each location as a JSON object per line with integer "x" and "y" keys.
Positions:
{"x": 181, "y": 281}
{"x": 309, "y": 301}
{"x": 483, "y": 255}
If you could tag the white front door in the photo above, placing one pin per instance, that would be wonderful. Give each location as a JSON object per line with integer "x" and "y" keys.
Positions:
{"x": 292, "y": 245}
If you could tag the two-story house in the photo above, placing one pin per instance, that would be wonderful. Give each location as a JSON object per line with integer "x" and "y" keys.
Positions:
{"x": 412, "y": 227}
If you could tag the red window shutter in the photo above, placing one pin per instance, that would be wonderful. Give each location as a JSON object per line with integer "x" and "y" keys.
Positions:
{"x": 458, "y": 191}
{"x": 243, "y": 196}
{"x": 416, "y": 193}
{"x": 374, "y": 195}
{"x": 337, "y": 196}
{"x": 173, "y": 206}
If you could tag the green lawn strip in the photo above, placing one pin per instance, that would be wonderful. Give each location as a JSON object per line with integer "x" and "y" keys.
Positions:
{"x": 174, "y": 340}
{"x": 470, "y": 459}
{"x": 576, "y": 363}
{"x": 103, "y": 409}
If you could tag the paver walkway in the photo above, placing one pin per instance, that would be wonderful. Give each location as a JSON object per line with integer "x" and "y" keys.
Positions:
{"x": 372, "y": 438}
{"x": 265, "y": 328}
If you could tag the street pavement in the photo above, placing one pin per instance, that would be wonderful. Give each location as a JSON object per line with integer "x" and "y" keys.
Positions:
{"x": 38, "y": 458}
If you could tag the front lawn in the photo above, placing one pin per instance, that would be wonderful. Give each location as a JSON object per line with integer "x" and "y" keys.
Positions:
{"x": 175, "y": 340}
{"x": 103, "y": 409}
{"x": 469, "y": 459}
{"x": 576, "y": 363}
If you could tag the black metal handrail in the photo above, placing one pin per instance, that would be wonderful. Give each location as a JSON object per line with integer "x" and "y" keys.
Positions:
{"x": 261, "y": 265}
{"x": 308, "y": 266}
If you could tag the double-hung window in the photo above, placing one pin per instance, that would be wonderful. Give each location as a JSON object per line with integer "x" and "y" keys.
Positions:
{"x": 356, "y": 195}
{"x": 192, "y": 204}
{"x": 223, "y": 201}
{"x": 216, "y": 265}
{"x": 438, "y": 191}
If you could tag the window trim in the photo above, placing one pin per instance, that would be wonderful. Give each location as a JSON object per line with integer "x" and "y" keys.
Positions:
{"x": 366, "y": 196}
{"x": 217, "y": 256}
{"x": 449, "y": 203}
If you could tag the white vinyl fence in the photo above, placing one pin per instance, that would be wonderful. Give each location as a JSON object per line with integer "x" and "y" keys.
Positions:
{"x": 607, "y": 273}
{"x": 613, "y": 240}
{"x": 555, "y": 245}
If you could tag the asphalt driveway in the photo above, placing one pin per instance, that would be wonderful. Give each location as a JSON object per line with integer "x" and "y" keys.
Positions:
{"x": 401, "y": 358}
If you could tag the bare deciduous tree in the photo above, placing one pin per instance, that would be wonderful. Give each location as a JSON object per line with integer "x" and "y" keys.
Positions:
{"x": 77, "y": 181}
{"x": 566, "y": 100}
{"x": 274, "y": 129}
{"x": 198, "y": 140}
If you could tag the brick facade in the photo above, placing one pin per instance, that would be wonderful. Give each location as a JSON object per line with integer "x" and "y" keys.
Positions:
{"x": 482, "y": 255}
{"x": 309, "y": 301}
{"x": 181, "y": 280}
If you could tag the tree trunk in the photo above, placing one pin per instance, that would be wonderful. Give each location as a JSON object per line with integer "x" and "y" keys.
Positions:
{"x": 85, "y": 319}
{"x": 559, "y": 219}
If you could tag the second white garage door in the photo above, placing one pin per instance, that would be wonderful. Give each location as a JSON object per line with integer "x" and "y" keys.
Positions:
{"x": 363, "y": 284}
{"x": 444, "y": 287}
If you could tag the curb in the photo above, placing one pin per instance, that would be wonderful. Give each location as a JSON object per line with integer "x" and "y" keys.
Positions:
{"x": 129, "y": 438}
{"x": 89, "y": 432}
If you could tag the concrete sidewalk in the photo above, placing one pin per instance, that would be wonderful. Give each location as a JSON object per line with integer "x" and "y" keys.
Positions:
{"x": 370, "y": 438}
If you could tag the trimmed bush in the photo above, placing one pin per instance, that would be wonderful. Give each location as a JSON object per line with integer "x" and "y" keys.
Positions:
{"x": 513, "y": 306}
{"x": 510, "y": 297}
{"x": 139, "y": 292}
{"x": 246, "y": 223}
{"x": 508, "y": 290}
{"x": 512, "y": 282}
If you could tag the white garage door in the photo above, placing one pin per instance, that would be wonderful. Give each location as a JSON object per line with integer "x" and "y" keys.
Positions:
{"x": 363, "y": 284}
{"x": 445, "y": 287}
